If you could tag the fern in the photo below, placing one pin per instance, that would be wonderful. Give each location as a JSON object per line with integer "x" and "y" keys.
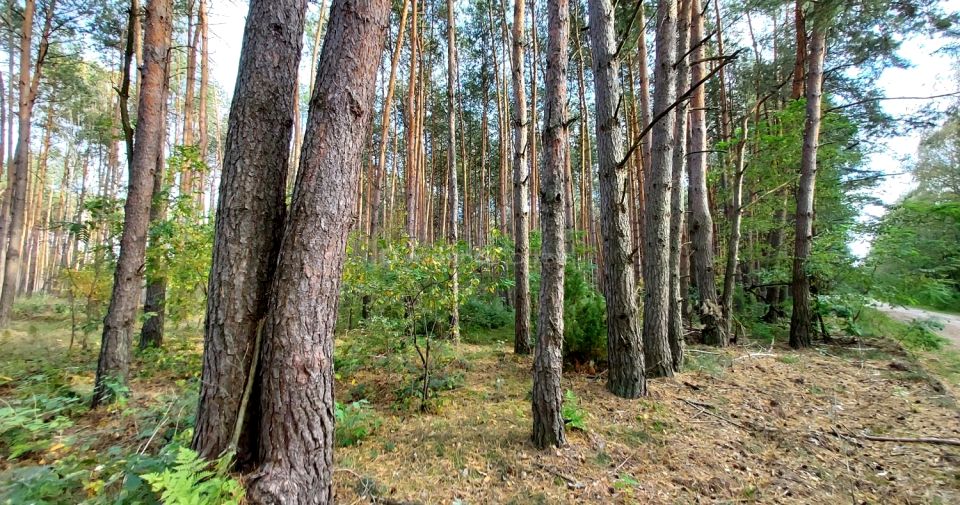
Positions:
{"x": 192, "y": 481}
{"x": 573, "y": 415}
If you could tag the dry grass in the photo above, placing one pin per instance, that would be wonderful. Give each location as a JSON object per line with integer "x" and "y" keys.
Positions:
{"x": 767, "y": 425}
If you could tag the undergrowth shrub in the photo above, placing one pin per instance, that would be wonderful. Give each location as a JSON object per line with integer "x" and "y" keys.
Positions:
{"x": 192, "y": 480}
{"x": 488, "y": 313}
{"x": 584, "y": 316}
{"x": 573, "y": 415}
{"x": 354, "y": 422}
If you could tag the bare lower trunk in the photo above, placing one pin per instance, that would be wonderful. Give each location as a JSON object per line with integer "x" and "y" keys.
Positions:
{"x": 249, "y": 224}
{"x": 624, "y": 345}
{"x": 521, "y": 194}
{"x": 548, "y": 355}
{"x": 801, "y": 320}
{"x": 700, "y": 225}
{"x": 114, "y": 362}
{"x": 733, "y": 241}
{"x": 675, "y": 330}
{"x": 656, "y": 184}
{"x": 453, "y": 192}
{"x": 297, "y": 398}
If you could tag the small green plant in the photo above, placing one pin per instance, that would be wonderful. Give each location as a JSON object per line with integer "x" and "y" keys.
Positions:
{"x": 191, "y": 480}
{"x": 354, "y": 422}
{"x": 573, "y": 416}
{"x": 30, "y": 426}
{"x": 921, "y": 336}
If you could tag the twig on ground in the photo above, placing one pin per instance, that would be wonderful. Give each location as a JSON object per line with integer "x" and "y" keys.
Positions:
{"x": 718, "y": 416}
{"x": 908, "y": 440}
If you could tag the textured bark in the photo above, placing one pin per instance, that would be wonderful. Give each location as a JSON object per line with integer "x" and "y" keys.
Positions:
{"x": 114, "y": 362}
{"x": 521, "y": 195}
{"x": 189, "y": 173}
{"x": 800, "y": 321}
{"x": 656, "y": 185}
{"x": 297, "y": 400}
{"x": 548, "y": 355}
{"x": 453, "y": 192}
{"x": 700, "y": 225}
{"x": 411, "y": 169}
{"x": 249, "y": 221}
{"x": 17, "y": 185}
{"x": 624, "y": 345}
{"x": 675, "y": 328}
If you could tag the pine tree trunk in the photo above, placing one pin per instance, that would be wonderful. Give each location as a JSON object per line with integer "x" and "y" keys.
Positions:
{"x": 700, "y": 225}
{"x": 675, "y": 331}
{"x": 548, "y": 355}
{"x": 297, "y": 399}
{"x": 453, "y": 192}
{"x": 657, "y": 189}
{"x": 801, "y": 320}
{"x": 249, "y": 225}
{"x": 624, "y": 345}
{"x": 114, "y": 362}
{"x": 521, "y": 195}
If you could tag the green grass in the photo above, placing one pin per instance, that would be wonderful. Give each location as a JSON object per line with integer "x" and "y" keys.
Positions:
{"x": 915, "y": 336}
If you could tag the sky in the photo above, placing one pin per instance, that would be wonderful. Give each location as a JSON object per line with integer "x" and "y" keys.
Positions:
{"x": 931, "y": 73}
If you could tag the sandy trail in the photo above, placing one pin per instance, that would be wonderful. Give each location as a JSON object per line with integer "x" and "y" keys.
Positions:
{"x": 950, "y": 322}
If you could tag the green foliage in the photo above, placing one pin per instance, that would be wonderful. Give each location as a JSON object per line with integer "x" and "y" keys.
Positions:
{"x": 32, "y": 426}
{"x": 573, "y": 415}
{"x": 921, "y": 336}
{"x": 354, "y": 422}
{"x": 584, "y": 316}
{"x": 485, "y": 313}
{"x": 915, "y": 254}
{"x": 191, "y": 480}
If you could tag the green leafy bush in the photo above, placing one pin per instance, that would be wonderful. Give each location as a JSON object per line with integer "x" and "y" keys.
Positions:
{"x": 573, "y": 415}
{"x": 485, "y": 313}
{"x": 354, "y": 422}
{"x": 29, "y": 426}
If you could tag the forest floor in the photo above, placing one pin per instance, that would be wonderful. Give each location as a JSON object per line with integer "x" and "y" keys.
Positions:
{"x": 757, "y": 422}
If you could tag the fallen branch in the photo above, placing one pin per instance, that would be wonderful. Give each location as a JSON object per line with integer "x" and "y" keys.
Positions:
{"x": 718, "y": 416}
{"x": 571, "y": 482}
{"x": 907, "y": 440}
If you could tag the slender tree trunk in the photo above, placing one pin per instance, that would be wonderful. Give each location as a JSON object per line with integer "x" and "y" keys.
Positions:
{"x": 249, "y": 226}
{"x": 548, "y": 355}
{"x": 534, "y": 180}
{"x": 521, "y": 195}
{"x": 411, "y": 170}
{"x": 453, "y": 195}
{"x": 297, "y": 401}
{"x": 189, "y": 174}
{"x": 700, "y": 225}
{"x": 114, "y": 362}
{"x": 682, "y": 67}
{"x": 657, "y": 189}
{"x": 801, "y": 328}
{"x": 735, "y": 216}
{"x": 17, "y": 184}
{"x": 624, "y": 345}
{"x": 646, "y": 142}
{"x": 202, "y": 123}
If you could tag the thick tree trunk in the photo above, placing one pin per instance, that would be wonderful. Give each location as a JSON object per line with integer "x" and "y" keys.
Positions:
{"x": 656, "y": 184}
{"x": 548, "y": 355}
{"x": 675, "y": 330}
{"x": 521, "y": 195}
{"x": 700, "y": 225}
{"x": 801, "y": 321}
{"x": 624, "y": 345}
{"x": 118, "y": 325}
{"x": 297, "y": 400}
{"x": 249, "y": 224}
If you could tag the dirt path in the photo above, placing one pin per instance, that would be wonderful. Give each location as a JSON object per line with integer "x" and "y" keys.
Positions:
{"x": 950, "y": 322}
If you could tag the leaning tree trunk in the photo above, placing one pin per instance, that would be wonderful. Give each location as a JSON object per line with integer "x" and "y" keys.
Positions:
{"x": 296, "y": 441}
{"x": 800, "y": 320}
{"x": 700, "y": 225}
{"x": 656, "y": 188}
{"x": 114, "y": 362}
{"x": 624, "y": 345}
{"x": 548, "y": 355}
{"x": 521, "y": 194}
{"x": 249, "y": 225}
{"x": 675, "y": 329}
